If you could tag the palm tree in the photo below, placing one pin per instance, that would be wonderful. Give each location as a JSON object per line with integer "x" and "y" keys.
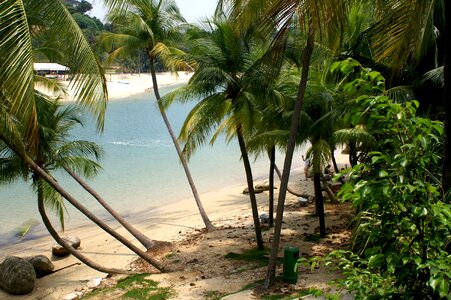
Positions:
{"x": 151, "y": 25}
{"x": 227, "y": 61}
{"x": 318, "y": 19}
{"x": 20, "y": 21}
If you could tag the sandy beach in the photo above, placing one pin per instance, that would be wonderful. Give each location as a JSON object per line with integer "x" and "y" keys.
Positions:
{"x": 124, "y": 85}
{"x": 227, "y": 207}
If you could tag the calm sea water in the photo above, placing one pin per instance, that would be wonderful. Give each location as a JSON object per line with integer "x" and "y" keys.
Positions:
{"x": 140, "y": 167}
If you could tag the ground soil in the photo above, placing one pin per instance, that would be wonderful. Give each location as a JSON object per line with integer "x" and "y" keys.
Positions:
{"x": 200, "y": 270}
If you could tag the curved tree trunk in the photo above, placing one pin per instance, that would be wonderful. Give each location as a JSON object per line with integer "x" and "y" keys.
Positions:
{"x": 29, "y": 162}
{"x": 307, "y": 53}
{"x": 250, "y": 186}
{"x": 202, "y": 212}
{"x": 288, "y": 188}
{"x": 272, "y": 165}
{"x": 66, "y": 245}
{"x": 144, "y": 240}
{"x": 319, "y": 203}
{"x": 329, "y": 192}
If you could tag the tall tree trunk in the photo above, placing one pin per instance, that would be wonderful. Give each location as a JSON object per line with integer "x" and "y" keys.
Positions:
{"x": 334, "y": 161}
{"x": 319, "y": 203}
{"x": 272, "y": 165}
{"x": 250, "y": 186}
{"x": 203, "y": 214}
{"x": 66, "y": 245}
{"x": 29, "y": 162}
{"x": 144, "y": 240}
{"x": 307, "y": 54}
{"x": 352, "y": 154}
{"x": 446, "y": 171}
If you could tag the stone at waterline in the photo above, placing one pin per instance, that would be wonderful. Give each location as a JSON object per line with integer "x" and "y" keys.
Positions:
{"x": 41, "y": 264}
{"x": 17, "y": 276}
{"x": 60, "y": 251}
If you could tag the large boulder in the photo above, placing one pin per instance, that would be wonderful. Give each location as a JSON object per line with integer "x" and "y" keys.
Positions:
{"x": 60, "y": 251}
{"x": 41, "y": 264}
{"x": 17, "y": 276}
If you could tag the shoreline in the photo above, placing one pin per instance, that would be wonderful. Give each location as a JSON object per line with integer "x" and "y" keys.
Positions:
{"x": 124, "y": 85}
{"x": 172, "y": 222}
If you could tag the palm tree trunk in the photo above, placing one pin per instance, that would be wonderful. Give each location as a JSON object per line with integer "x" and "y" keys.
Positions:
{"x": 144, "y": 240}
{"x": 203, "y": 214}
{"x": 334, "y": 161}
{"x": 66, "y": 245}
{"x": 329, "y": 192}
{"x": 446, "y": 171}
{"x": 319, "y": 203}
{"x": 272, "y": 165}
{"x": 307, "y": 53}
{"x": 250, "y": 186}
{"x": 289, "y": 190}
{"x": 28, "y": 161}
{"x": 352, "y": 153}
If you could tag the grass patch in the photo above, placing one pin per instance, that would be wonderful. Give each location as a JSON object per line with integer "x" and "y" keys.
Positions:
{"x": 314, "y": 238}
{"x": 134, "y": 287}
{"x": 213, "y": 295}
{"x": 296, "y": 295}
{"x": 253, "y": 255}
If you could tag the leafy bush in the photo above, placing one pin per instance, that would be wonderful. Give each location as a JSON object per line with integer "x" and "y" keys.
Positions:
{"x": 401, "y": 240}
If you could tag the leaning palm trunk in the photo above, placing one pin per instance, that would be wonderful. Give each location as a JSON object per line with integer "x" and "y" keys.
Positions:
{"x": 53, "y": 183}
{"x": 68, "y": 246}
{"x": 144, "y": 240}
{"x": 202, "y": 212}
{"x": 250, "y": 186}
{"x": 307, "y": 53}
{"x": 329, "y": 192}
{"x": 289, "y": 190}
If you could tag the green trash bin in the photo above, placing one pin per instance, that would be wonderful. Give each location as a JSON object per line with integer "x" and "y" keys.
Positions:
{"x": 290, "y": 256}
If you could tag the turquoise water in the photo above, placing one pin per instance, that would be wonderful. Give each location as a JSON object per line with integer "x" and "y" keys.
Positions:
{"x": 140, "y": 167}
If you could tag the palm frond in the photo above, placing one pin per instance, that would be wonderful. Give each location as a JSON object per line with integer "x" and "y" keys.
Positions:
{"x": 437, "y": 76}
{"x": 16, "y": 58}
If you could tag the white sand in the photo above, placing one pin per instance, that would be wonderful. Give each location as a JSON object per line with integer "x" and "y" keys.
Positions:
{"x": 124, "y": 85}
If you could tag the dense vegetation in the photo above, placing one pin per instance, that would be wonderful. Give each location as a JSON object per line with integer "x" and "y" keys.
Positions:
{"x": 371, "y": 75}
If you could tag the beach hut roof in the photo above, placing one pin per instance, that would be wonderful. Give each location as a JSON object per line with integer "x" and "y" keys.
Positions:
{"x": 49, "y": 67}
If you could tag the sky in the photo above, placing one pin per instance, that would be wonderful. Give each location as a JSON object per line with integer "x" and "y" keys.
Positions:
{"x": 192, "y": 10}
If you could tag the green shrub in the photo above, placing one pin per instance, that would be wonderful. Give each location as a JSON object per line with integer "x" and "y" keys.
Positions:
{"x": 400, "y": 246}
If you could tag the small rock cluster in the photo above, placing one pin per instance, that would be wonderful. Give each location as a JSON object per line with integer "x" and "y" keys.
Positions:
{"x": 18, "y": 275}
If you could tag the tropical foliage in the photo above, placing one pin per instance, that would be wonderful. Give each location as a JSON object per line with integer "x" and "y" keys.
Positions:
{"x": 402, "y": 234}
{"x": 55, "y": 152}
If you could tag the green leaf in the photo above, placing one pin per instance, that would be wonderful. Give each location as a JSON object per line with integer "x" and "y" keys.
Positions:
{"x": 443, "y": 288}
{"x": 383, "y": 173}
{"x": 376, "y": 260}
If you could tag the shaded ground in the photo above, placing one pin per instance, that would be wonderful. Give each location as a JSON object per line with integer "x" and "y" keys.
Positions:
{"x": 208, "y": 265}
